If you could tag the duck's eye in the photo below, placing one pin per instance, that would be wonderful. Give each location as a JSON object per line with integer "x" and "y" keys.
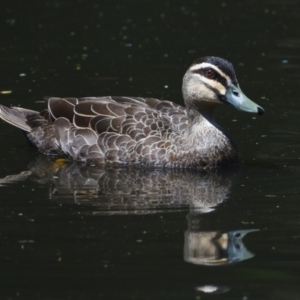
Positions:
{"x": 210, "y": 73}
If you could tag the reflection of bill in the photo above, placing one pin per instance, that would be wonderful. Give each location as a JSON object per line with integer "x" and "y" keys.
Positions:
{"x": 213, "y": 248}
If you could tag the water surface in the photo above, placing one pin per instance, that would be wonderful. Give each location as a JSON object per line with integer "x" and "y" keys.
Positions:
{"x": 76, "y": 232}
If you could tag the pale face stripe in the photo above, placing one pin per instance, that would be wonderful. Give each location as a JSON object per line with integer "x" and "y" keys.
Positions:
{"x": 208, "y": 65}
{"x": 214, "y": 84}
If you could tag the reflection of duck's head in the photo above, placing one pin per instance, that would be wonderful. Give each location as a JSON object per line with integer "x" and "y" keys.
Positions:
{"x": 215, "y": 248}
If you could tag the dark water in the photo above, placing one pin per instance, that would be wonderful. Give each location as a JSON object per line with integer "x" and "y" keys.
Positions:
{"x": 72, "y": 232}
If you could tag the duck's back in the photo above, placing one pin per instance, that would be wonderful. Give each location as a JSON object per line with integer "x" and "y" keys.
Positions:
{"x": 109, "y": 130}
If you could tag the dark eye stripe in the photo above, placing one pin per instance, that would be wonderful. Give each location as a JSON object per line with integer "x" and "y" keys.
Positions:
{"x": 217, "y": 76}
{"x": 216, "y": 91}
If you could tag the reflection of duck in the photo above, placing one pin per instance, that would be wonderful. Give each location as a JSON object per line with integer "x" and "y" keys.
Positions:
{"x": 142, "y": 131}
{"x": 213, "y": 248}
{"x": 216, "y": 248}
{"x": 128, "y": 189}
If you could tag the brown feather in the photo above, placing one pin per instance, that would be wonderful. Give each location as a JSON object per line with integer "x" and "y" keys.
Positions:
{"x": 116, "y": 123}
{"x": 116, "y": 109}
{"x": 122, "y": 139}
{"x": 85, "y": 109}
{"x": 72, "y": 101}
{"x": 103, "y": 125}
{"x": 151, "y": 102}
{"x": 89, "y": 135}
{"x": 101, "y": 108}
{"x": 81, "y": 121}
{"x": 61, "y": 108}
{"x": 132, "y": 110}
{"x": 138, "y": 116}
{"x": 60, "y": 126}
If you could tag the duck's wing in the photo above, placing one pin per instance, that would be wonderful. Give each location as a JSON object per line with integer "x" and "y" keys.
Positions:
{"x": 118, "y": 112}
{"x": 115, "y": 129}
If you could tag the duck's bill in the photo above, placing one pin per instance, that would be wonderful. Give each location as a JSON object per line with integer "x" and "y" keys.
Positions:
{"x": 240, "y": 101}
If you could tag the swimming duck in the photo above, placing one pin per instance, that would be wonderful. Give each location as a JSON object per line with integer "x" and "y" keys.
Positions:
{"x": 147, "y": 132}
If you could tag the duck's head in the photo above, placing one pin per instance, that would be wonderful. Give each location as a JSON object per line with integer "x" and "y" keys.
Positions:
{"x": 211, "y": 80}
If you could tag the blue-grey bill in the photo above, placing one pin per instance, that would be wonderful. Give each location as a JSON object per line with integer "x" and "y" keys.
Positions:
{"x": 240, "y": 101}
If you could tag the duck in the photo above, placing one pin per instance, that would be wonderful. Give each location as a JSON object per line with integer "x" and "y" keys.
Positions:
{"x": 144, "y": 132}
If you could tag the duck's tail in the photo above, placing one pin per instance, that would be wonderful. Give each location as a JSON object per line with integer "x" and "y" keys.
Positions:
{"x": 17, "y": 116}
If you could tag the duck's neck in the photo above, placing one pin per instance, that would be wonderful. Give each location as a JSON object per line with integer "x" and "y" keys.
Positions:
{"x": 201, "y": 121}
{"x": 201, "y": 113}
{"x": 205, "y": 142}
